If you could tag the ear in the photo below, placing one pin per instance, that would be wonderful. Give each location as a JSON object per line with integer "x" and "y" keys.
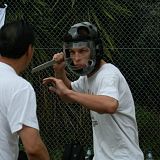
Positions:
{"x": 30, "y": 51}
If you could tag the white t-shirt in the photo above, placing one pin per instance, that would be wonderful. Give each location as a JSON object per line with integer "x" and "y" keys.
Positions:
{"x": 115, "y": 136}
{"x": 17, "y": 107}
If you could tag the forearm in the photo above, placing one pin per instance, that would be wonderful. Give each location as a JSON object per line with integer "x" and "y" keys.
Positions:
{"x": 100, "y": 104}
{"x": 62, "y": 75}
{"x": 39, "y": 153}
{"x": 33, "y": 144}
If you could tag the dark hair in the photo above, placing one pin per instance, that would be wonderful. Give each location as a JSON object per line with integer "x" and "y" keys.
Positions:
{"x": 15, "y": 38}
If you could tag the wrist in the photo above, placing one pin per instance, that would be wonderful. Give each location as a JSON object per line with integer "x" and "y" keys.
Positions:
{"x": 59, "y": 74}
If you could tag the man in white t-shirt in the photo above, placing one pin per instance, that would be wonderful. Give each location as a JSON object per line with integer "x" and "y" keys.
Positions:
{"x": 17, "y": 97}
{"x": 102, "y": 89}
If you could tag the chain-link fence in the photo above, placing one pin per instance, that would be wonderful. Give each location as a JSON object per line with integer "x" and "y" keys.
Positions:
{"x": 131, "y": 34}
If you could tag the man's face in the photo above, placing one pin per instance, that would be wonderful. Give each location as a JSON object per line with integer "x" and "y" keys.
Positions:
{"x": 80, "y": 56}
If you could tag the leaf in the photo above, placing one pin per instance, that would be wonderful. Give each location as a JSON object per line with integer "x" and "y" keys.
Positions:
{"x": 108, "y": 15}
{"x": 73, "y": 3}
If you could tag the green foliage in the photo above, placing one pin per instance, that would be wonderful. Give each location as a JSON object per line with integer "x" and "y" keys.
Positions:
{"x": 148, "y": 130}
{"x": 53, "y": 18}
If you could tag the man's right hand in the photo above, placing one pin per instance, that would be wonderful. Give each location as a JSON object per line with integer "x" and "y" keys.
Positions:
{"x": 59, "y": 67}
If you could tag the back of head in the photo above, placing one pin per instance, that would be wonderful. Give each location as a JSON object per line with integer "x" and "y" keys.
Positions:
{"x": 15, "y": 38}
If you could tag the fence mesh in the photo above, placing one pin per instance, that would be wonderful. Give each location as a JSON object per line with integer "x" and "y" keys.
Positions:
{"x": 131, "y": 36}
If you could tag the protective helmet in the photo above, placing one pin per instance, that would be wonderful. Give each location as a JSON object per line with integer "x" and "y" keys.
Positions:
{"x": 83, "y": 34}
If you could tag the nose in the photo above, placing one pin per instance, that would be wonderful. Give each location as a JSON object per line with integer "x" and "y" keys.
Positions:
{"x": 76, "y": 57}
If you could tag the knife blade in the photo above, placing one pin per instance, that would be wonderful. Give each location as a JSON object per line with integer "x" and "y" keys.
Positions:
{"x": 43, "y": 66}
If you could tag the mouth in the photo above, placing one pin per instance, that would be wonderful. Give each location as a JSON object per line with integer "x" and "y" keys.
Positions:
{"x": 78, "y": 67}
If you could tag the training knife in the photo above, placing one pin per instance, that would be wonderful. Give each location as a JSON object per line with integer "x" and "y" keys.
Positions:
{"x": 43, "y": 66}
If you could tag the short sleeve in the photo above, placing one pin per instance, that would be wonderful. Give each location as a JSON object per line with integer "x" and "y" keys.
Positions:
{"x": 22, "y": 109}
{"x": 78, "y": 85}
{"x": 109, "y": 86}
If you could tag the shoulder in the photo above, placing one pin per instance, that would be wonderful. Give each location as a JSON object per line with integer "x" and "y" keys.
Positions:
{"x": 20, "y": 84}
{"x": 108, "y": 69}
{"x": 25, "y": 82}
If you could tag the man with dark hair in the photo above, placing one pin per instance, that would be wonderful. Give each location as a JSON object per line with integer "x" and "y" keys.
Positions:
{"x": 102, "y": 89}
{"x": 17, "y": 97}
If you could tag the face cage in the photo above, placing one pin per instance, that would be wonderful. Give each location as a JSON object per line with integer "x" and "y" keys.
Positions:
{"x": 67, "y": 46}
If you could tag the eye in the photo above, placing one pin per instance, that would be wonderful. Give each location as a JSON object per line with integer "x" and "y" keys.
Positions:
{"x": 71, "y": 52}
{"x": 84, "y": 50}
